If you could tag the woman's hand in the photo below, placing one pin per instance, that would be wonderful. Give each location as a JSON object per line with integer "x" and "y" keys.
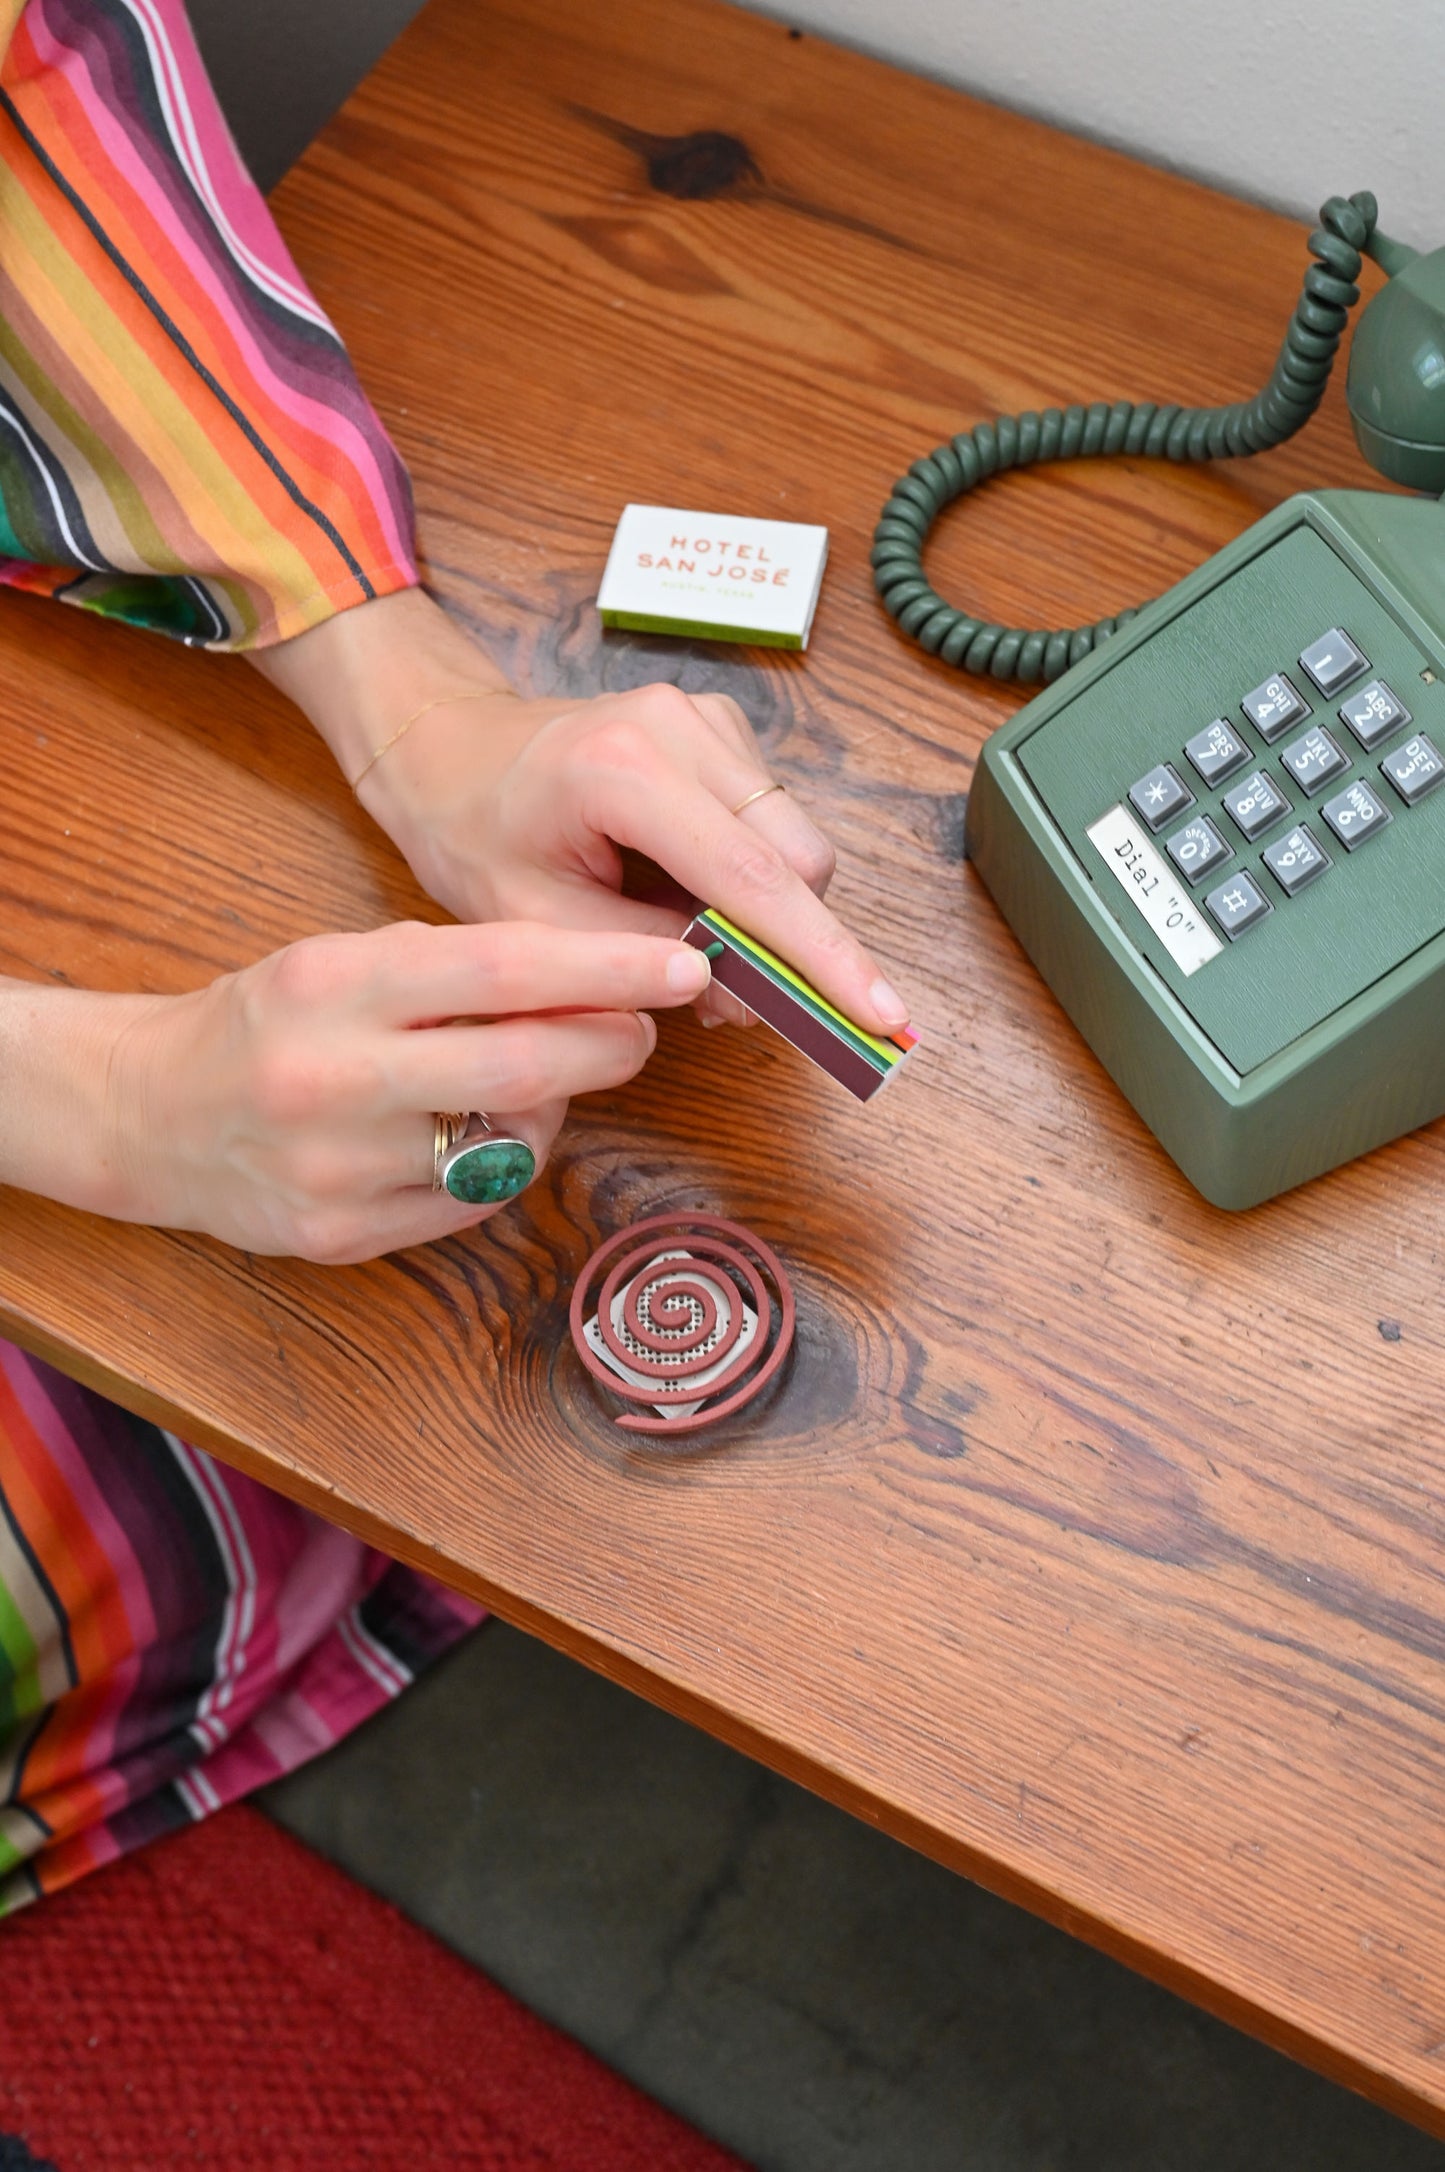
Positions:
{"x": 289, "y": 1108}
{"x": 509, "y": 808}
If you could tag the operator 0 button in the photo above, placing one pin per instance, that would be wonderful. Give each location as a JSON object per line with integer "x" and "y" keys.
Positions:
{"x": 1160, "y": 794}
{"x": 1216, "y": 752}
{"x": 1313, "y": 759}
{"x": 1414, "y": 768}
{"x": 1256, "y": 804}
{"x": 1273, "y": 707}
{"x": 1238, "y": 904}
{"x": 1295, "y": 859}
{"x": 1355, "y": 814}
{"x": 1374, "y": 713}
{"x": 1197, "y": 849}
{"x": 1333, "y": 661}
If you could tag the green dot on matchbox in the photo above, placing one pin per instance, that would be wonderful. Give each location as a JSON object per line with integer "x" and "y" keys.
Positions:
{"x": 713, "y": 576}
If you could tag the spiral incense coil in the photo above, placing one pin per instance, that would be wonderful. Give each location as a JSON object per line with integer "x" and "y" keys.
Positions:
{"x": 673, "y": 1308}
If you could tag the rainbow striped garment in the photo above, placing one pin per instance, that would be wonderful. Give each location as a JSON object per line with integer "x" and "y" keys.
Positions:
{"x": 183, "y": 446}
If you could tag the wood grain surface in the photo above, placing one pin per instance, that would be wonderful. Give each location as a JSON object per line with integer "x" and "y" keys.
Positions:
{"x": 1092, "y": 1541}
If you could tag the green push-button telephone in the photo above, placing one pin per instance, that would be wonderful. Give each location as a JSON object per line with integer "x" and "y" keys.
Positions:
{"x": 1220, "y": 832}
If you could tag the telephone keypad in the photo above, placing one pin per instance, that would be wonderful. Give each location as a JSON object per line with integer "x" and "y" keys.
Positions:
{"x": 1414, "y": 768}
{"x": 1160, "y": 794}
{"x": 1274, "y": 706}
{"x": 1216, "y": 752}
{"x": 1374, "y": 713}
{"x": 1356, "y": 814}
{"x": 1332, "y": 661}
{"x": 1255, "y": 805}
{"x": 1295, "y": 859}
{"x": 1313, "y": 759}
{"x": 1238, "y": 904}
{"x": 1197, "y": 849}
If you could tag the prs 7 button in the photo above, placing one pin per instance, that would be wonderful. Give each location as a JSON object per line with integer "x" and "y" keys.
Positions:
{"x": 1294, "y": 860}
{"x": 1216, "y": 752}
{"x": 1159, "y": 794}
{"x": 1313, "y": 759}
{"x": 1373, "y": 714}
{"x": 1333, "y": 661}
{"x": 1414, "y": 768}
{"x": 1238, "y": 904}
{"x": 1355, "y": 814}
{"x": 1197, "y": 849}
{"x": 1273, "y": 707}
{"x": 1255, "y": 805}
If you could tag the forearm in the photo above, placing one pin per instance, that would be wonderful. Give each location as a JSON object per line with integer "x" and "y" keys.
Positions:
{"x": 61, "y": 1132}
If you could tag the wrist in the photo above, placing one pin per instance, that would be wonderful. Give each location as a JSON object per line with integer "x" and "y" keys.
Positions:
{"x": 73, "y": 1103}
{"x": 359, "y": 675}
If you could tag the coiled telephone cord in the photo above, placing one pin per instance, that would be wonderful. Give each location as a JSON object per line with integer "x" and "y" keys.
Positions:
{"x": 1296, "y": 384}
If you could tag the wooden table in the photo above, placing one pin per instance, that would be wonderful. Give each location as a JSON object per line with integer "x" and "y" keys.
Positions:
{"x": 1094, "y": 1543}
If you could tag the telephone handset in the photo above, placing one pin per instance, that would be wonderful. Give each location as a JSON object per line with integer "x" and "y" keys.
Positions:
{"x": 1219, "y": 832}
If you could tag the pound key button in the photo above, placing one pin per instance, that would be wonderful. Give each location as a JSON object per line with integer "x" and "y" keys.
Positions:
{"x": 1160, "y": 794}
{"x": 1414, "y": 768}
{"x": 1333, "y": 661}
{"x": 1374, "y": 713}
{"x": 1355, "y": 814}
{"x": 1197, "y": 849}
{"x": 1238, "y": 904}
{"x": 1273, "y": 707}
{"x": 1295, "y": 859}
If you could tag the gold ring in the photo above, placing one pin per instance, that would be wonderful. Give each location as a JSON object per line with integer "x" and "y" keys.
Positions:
{"x": 761, "y": 793}
{"x": 447, "y": 1128}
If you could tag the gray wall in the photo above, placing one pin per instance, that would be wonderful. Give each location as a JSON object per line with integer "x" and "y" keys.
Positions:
{"x": 282, "y": 67}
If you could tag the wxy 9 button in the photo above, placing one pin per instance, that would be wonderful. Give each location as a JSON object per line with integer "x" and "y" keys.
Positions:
{"x": 1355, "y": 814}
{"x": 1295, "y": 859}
{"x": 1255, "y": 805}
{"x": 1160, "y": 794}
{"x": 1414, "y": 768}
{"x": 1273, "y": 707}
{"x": 1333, "y": 660}
{"x": 1197, "y": 849}
{"x": 1374, "y": 713}
{"x": 1216, "y": 752}
{"x": 1313, "y": 759}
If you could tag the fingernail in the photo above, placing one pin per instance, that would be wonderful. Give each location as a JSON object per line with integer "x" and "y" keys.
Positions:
{"x": 709, "y": 1021}
{"x": 649, "y": 1027}
{"x": 688, "y": 971}
{"x": 888, "y": 1004}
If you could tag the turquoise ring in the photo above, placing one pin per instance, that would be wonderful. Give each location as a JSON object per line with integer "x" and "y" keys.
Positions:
{"x": 484, "y": 1167}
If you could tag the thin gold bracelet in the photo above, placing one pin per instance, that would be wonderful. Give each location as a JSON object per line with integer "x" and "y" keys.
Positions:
{"x": 438, "y": 701}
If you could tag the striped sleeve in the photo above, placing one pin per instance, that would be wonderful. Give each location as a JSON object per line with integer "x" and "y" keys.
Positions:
{"x": 183, "y": 443}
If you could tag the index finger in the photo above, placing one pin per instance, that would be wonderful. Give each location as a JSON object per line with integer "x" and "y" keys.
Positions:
{"x": 423, "y": 974}
{"x": 727, "y": 864}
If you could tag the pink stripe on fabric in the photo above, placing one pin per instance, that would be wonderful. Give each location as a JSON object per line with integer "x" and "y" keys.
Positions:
{"x": 324, "y": 423}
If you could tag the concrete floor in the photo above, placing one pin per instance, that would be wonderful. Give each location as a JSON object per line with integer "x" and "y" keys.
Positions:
{"x": 799, "y": 1986}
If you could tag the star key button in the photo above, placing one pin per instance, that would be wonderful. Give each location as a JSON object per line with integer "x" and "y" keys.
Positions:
{"x": 1333, "y": 660}
{"x": 1159, "y": 795}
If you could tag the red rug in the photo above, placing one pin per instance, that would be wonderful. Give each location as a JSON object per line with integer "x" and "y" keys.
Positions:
{"x": 227, "y": 1999}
